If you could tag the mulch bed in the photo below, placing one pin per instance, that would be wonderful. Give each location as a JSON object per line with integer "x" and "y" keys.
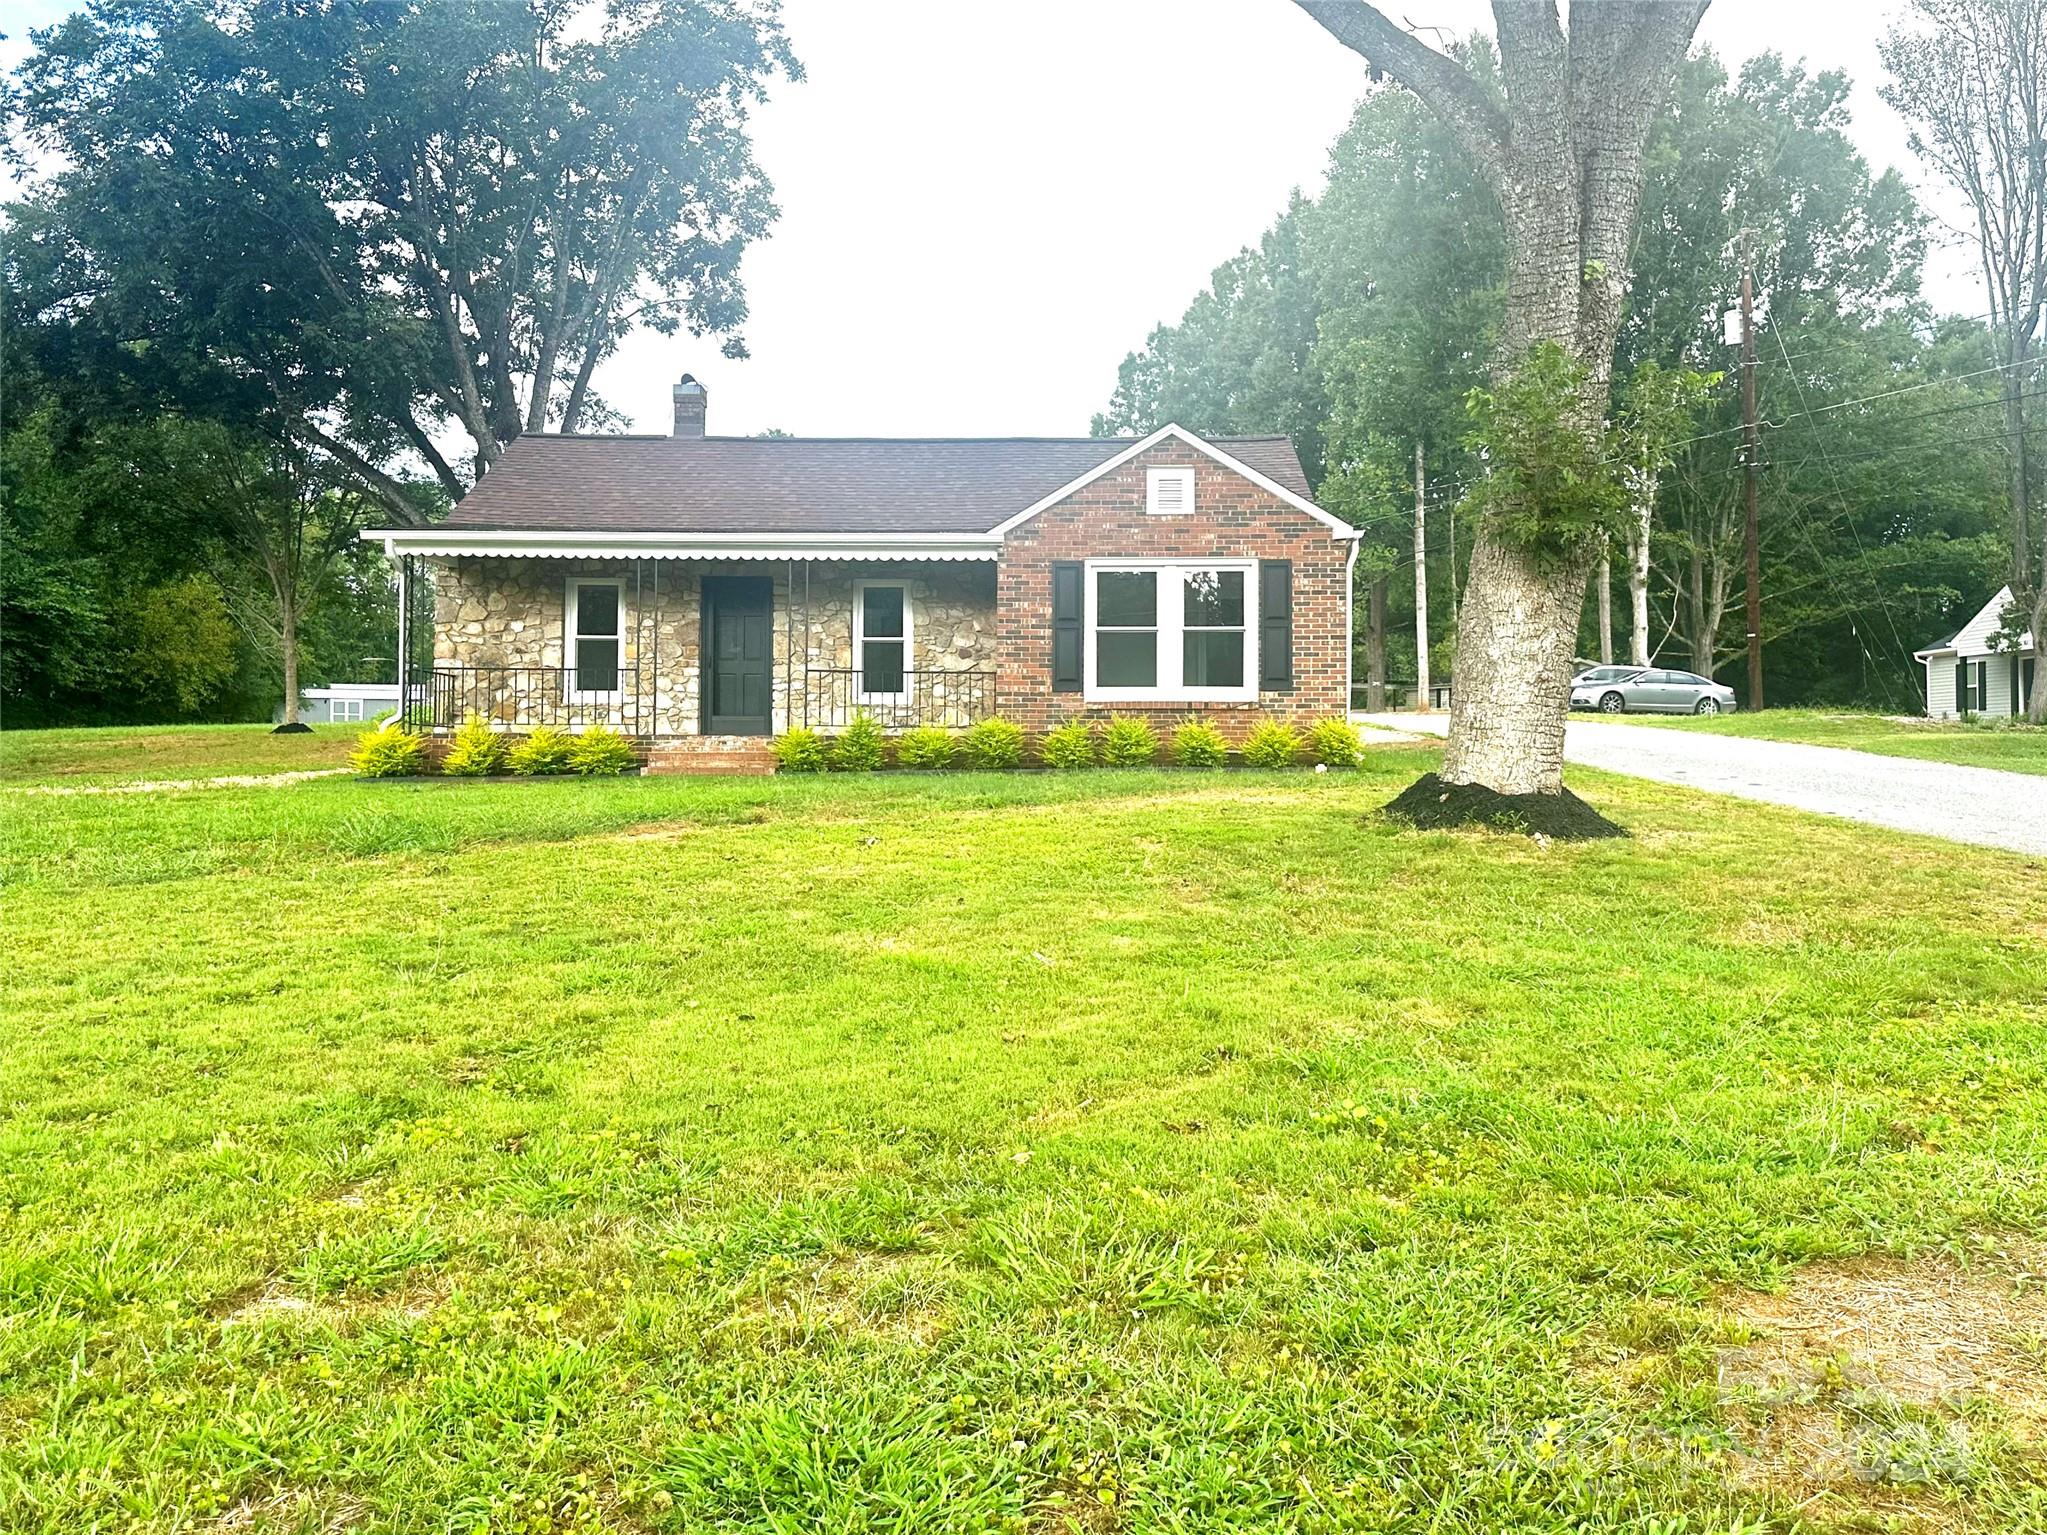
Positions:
{"x": 1433, "y": 805}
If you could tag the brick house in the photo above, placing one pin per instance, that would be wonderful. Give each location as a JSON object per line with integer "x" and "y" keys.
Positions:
{"x": 586, "y": 579}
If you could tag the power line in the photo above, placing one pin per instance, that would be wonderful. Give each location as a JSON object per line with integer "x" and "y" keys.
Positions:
{"x": 1866, "y": 337}
{"x": 1883, "y": 602}
{"x": 1868, "y": 399}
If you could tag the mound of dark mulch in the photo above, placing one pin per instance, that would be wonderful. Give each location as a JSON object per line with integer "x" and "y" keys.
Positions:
{"x": 295, "y": 728}
{"x": 1432, "y": 804}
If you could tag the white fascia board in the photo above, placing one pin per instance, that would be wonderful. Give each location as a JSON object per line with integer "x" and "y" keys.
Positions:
{"x": 685, "y": 546}
{"x": 1337, "y": 526}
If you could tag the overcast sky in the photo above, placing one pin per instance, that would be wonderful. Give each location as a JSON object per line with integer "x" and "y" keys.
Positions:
{"x": 985, "y": 207}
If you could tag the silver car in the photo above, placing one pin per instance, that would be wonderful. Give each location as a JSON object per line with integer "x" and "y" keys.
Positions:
{"x": 1648, "y": 690}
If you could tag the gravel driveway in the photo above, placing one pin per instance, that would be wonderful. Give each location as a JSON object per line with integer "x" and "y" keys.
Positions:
{"x": 1963, "y": 804}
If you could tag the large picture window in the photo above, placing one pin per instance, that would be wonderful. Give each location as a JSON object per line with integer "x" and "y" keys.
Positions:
{"x": 1172, "y": 630}
{"x": 881, "y": 638}
{"x": 596, "y": 637}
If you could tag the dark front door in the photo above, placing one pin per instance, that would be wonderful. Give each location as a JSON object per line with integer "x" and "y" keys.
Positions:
{"x": 738, "y": 667}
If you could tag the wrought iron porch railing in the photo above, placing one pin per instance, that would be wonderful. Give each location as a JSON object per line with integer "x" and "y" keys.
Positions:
{"x": 521, "y": 697}
{"x": 833, "y": 695}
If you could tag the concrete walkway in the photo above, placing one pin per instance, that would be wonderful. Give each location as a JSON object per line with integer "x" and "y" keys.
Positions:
{"x": 1964, "y": 804}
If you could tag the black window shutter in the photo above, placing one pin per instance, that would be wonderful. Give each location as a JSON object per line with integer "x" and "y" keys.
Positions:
{"x": 1067, "y": 576}
{"x": 1961, "y": 687}
{"x": 1275, "y": 625}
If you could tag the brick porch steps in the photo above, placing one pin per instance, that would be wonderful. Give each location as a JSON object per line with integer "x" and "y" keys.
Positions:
{"x": 739, "y": 755}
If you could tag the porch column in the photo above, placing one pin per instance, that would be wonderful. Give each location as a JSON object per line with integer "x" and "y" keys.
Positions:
{"x": 404, "y": 564}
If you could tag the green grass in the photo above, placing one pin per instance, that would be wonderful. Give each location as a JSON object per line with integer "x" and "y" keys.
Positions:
{"x": 1992, "y": 743}
{"x": 101, "y": 755}
{"x": 1108, "y": 1151}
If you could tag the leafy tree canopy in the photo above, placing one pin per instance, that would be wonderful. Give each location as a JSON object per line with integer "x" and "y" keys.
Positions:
{"x": 360, "y": 226}
{"x": 1365, "y": 318}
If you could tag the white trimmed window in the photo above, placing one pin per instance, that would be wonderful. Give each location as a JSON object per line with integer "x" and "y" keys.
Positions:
{"x": 881, "y": 638}
{"x": 595, "y": 629}
{"x": 344, "y": 709}
{"x": 1169, "y": 492}
{"x": 1171, "y": 631}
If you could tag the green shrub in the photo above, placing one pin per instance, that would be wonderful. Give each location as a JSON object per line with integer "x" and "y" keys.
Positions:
{"x": 1071, "y": 745}
{"x": 928, "y": 746}
{"x": 860, "y": 748}
{"x": 994, "y": 743}
{"x": 1129, "y": 743}
{"x": 477, "y": 751}
{"x": 801, "y": 750}
{"x": 1199, "y": 744}
{"x": 388, "y": 752}
{"x": 1272, "y": 743}
{"x": 601, "y": 752}
{"x": 542, "y": 754}
{"x": 1335, "y": 743}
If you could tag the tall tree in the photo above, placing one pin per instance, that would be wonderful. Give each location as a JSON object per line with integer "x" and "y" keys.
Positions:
{"x": 1971, "y": 75}
{"x": 361, "y": 224}
{"x": 1356, "y": 326}
{"x": 1877, "y": 511}
{"x": 1563, "y": 154}
{"x": 1837, "y": 252}
{"x": 277, "y": 517}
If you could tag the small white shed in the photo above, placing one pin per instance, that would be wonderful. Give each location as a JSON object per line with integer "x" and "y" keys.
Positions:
{"x": 1965, "y": 676}
{"x": 344, "y": 703}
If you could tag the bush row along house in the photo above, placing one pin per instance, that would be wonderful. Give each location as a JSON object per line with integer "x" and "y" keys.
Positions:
{"x": 710, "y": 591}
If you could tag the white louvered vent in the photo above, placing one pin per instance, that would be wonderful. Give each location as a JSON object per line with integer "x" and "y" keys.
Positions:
{"x": 1169, "y": 492}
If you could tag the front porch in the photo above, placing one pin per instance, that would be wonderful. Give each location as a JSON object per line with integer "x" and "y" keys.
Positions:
{"x": 573, "y": 643}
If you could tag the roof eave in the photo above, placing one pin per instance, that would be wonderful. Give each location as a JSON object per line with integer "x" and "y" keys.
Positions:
{"x": 590, "y": 543}
{"x": 1339, "y": 529}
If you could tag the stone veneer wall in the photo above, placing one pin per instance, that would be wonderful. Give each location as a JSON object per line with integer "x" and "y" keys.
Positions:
{"x": 493, "y": 612}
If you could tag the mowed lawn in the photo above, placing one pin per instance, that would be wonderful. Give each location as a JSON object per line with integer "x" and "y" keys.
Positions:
{"x": 168, "y": 752}
{"x": 1106, "y": 1152}
{"x": 1996, "y": 743}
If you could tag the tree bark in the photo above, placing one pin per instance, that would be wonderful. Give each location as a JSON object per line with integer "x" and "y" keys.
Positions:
{"x": 288, "y": 639}
{"x": 1638, "y": 587}
{"x": 1375, "y": 644}
{"x": 1602, "y": 581}
{"x": 1565, "y": 161}
{"x": 2036, "y": 703}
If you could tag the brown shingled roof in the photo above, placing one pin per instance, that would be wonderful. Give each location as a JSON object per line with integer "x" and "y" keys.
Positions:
{"x": 546, "y": 482}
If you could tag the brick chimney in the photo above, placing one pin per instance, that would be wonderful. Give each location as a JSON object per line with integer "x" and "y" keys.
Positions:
{"x": 690, "y": 403}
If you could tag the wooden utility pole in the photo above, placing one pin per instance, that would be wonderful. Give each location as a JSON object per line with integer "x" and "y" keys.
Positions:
{"x": 1421, "y": 588}
{"x": 1751, "y": 469}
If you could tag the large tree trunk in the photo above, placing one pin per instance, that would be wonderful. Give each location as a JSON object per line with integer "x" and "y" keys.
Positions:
{"x": 2013, "y": 383}
{"x": 1700, "y": 629}
{"x": 2036, "y": 703}
{"x": 1513, "y": 690}
{"x": 1602, "y": 581}
{"x": 2028, "y": 577}
{"x": 1375, "y": 644}
{"x": 1638, "y": 587}
{"x": 1564, "y": 159}
{"x": 288, "y": 636}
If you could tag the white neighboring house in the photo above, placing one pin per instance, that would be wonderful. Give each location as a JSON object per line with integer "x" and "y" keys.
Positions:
{"x": 1965, "y": 676}
{"x": 346, "y": 703}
